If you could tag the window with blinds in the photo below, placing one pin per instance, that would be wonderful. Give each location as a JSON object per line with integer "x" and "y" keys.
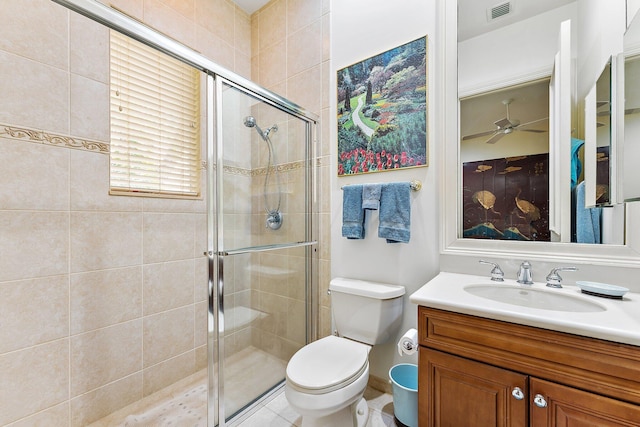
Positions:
{"x": 155, "y": 122}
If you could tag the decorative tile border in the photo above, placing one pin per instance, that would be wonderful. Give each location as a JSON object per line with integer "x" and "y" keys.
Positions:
{"x": 42, "y": 137}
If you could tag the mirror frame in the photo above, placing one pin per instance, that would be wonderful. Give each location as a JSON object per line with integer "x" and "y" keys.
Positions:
{"x": 627, "y": 255}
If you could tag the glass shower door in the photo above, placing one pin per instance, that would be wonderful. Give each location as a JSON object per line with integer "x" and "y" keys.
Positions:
{"x": 265, "y": 244}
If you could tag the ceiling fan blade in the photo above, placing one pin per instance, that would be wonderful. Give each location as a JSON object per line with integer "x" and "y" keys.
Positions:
{"x": 532, "y": 122}
{"x": 495, "y": 138}
{"x": 631, "y": 111}
{"x": 601, "y": 103}
{"x": 477, "y": 135}
{"x": 531, "y": 130}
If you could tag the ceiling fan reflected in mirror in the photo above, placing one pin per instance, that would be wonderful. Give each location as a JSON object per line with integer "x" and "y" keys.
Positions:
{"x": 505, "y": 127}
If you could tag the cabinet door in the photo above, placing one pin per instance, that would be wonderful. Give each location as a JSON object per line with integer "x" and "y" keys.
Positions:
{"x": 455, "y": 392}
{"x": 556, "y": 405}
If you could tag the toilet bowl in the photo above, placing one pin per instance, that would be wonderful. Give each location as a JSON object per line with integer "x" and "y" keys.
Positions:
{"x": 326, "y": 379}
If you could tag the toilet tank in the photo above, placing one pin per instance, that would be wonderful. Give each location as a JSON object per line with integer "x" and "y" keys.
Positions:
{"x": 364, "y": 311}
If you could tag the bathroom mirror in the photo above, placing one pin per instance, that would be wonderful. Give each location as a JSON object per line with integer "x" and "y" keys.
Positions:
{"x": 630, "y": 172}
{"x": 496, "y": 71}
{"x": 598, "y": 141}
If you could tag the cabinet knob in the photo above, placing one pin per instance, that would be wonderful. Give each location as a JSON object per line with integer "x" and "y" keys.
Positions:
{"x": 517, "y": 393}
{"x": 539, "y": 401}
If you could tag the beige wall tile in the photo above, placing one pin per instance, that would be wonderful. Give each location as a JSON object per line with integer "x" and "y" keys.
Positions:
{"x": 90, "y": 185}
{"x": 218, "y": 17}
{"x": 304, "y": 89}
{"x": 242, "y": 39}
{"x": 242, "y": 64}
{"x": 301, "y": 13}
{"x": 158, "y": 204}
{"x": 273, "y": 24}
{"x": 33, "y": 379}
{"x": 33, "y": 311}
{"x": 88, "y": 48}
{"x": 184, "y": 7}
{"x": 214, "y": 47}
{"x": 37, "y": 96}
{"x": 102, "y": 240}
{"x": 34, "y": 244}
{"x": 89, "y": 108}
{"x": 326, "y": 40}
{"x": 201, "y": 358}
{"x": 134, "y": 8}
{"x": 201, "y": 283}
{"x": 168, "y": 285}
{"x": 104, "y": 298}
{"x": 325, "y": 135}
{"x": 273, "y": 64}
{"x": 168, "y": 372}
{"x": 168, "y": 334}
{"x": 105, "y": 355}
{"x": 34, "y": 176}
{"x": 55, "y": 416}
{"x": 201, "y": 316}
{"x": 325, "y": 70}
{"x": 98, "y": 403}
{"x": 168, "y": 237}
{"x": 36, "y": 29}
{"x": 169, "y": 21}
{"x": 304, "y": 49}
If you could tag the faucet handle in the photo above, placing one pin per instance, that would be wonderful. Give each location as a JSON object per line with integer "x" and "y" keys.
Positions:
{"x": 553, "y": 278}
{"x": 497, "y": 274}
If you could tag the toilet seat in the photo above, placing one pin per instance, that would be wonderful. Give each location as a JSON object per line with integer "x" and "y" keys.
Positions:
{"x": 326, "y": 365}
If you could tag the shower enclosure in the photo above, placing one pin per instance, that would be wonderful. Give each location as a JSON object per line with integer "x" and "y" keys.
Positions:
{"x": 261, "y": 249}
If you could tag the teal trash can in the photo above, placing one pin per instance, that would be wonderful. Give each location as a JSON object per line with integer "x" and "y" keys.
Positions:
{"x": 404, "y": 380}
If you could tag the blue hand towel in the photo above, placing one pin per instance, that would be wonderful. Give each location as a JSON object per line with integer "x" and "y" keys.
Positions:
{"x": 371, "y": 196}
{"x": 352, "y": 212}
{"x": 576, "y": 164}
{"x": 395, "y": 212}
{"x": 587, "y": 219}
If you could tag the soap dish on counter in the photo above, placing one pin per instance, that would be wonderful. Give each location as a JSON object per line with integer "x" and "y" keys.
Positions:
{"x": 602, "y": 289}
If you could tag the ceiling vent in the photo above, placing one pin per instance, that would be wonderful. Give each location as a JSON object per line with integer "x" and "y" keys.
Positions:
{"x": 499, "y": 11}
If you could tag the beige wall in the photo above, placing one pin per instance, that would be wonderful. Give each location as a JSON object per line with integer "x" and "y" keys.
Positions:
{"x": 102, "y": 298}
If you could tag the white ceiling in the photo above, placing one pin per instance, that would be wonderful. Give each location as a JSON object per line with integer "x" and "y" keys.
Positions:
{"x": 250, "y": 6}
{"x": 472, "y": 14}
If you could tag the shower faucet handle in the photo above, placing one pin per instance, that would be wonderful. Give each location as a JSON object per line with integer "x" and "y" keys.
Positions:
{"x": 497, "y": 275}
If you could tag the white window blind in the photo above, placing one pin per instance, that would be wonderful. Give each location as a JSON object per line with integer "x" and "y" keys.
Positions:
{"x": 155, "y": 122}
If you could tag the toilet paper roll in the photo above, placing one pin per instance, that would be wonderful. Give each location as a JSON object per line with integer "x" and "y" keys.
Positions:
{"x": 408, "y": 344}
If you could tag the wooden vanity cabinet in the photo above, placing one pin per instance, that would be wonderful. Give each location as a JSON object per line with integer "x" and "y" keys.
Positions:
{"x": 480, "y": 372}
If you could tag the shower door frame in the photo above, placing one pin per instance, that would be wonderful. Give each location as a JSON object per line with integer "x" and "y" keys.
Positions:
{"x": 217, "y": 251}
{"x": 215, "y": 76}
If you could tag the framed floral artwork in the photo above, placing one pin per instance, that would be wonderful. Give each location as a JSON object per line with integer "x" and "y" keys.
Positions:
{"x": 382, "y": 111}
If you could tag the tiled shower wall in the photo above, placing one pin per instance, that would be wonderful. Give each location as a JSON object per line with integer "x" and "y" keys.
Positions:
{"x": 290, "y": 56}
{"x": 102, "y": 298}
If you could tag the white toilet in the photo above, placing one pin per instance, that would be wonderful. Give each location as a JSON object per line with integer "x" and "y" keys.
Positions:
{"x": 326, "y": 379}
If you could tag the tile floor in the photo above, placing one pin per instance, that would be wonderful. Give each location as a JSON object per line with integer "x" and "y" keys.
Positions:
{"x": 277, "y": 413}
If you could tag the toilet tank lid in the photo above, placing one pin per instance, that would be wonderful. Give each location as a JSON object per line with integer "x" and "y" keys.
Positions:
{"x": 366, "y": 288}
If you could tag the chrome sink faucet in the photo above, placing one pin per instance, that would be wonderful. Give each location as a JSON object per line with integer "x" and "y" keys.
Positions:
{"x": 525, "y": 276}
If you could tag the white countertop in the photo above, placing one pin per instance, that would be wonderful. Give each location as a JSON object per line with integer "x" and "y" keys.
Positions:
{"x": 619, "y": 322}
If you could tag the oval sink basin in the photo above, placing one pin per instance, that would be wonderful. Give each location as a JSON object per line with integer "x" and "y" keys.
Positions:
{"x": 534, "y": 298}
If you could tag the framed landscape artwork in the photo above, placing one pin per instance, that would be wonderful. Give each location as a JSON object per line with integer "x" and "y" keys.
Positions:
{"x": 382, "y": 111}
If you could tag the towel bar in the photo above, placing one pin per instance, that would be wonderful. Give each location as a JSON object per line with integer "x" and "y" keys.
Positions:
{"x": 415, "y": 185}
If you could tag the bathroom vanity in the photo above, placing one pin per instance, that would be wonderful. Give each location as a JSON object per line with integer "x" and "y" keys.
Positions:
{"x": 489, "y": 363}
